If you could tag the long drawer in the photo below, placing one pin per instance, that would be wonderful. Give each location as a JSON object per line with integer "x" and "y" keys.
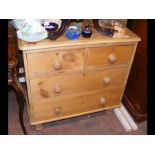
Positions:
{"x": 64, "y": 107}
{"x": 46, "y": 61}
{"x": 58, "y": 85}
{"x": 109, "y": 56}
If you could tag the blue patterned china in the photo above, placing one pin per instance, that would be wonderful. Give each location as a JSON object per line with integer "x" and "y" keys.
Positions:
{"x": 50, "y": 26}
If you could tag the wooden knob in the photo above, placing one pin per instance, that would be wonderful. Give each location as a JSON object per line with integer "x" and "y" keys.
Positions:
{"x": 107, "y": 80}
{"x": 112, "y": 58}
{"x": 57, "y": 89}
{"x": 57, "y": 65}
{"x": 58, "y": 110}
{"x": 102, "y": 100}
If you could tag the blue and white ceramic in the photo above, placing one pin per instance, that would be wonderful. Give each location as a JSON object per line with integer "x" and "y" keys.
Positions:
{"x": 30, "y": 30}
{"x": 50, "y": 26}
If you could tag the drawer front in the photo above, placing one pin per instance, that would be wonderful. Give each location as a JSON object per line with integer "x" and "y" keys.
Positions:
{"x": 46, "y": 61}
{"x": 76, "y": 105}
{"x": 75, "y": 83}
{"x": 108, "y": 56}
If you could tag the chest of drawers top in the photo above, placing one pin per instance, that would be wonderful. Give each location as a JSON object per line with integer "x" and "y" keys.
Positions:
{"x": 96, "y": 39}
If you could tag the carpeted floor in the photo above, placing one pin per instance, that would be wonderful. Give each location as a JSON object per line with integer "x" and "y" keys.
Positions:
{"x": 100, "y": 123}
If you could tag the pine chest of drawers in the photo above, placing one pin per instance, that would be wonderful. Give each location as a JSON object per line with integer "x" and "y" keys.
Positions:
{"x": 70, "y": 78}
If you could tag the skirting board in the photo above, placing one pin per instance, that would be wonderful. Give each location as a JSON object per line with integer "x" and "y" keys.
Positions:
{"x": 125, "y": 119}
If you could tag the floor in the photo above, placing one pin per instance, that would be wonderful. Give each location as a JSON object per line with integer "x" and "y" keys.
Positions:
{"x": 100, "y": 123}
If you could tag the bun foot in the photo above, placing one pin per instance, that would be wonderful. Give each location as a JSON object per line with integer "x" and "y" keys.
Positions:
{"x": 39, "y": 127}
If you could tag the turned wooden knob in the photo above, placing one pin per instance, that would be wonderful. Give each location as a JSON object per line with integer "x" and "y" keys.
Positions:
{"x": 57, "y": 65}
{"x": 107, "y": 80}
{"x": 112, "y": 58}
{"x": 102, "y": 100}
{"x": 57, "y": 89}
{"x": 58, "y": 110}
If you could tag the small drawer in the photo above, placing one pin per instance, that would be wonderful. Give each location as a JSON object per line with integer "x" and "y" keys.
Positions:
{"x": 108, "y": 56}
{"x": 58, "y": 108}
{"x": 58, "y": 85}
{"x": 46, "y": 61}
